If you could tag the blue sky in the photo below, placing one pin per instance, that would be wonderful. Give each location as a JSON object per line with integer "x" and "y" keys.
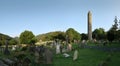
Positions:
{"x": 42, "y": 16}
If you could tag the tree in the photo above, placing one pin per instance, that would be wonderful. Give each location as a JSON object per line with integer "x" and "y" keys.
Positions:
{"x": 73, "y": 35}
{"x": 60, "y": 36}
{"x": 13, "y": 42}
{"x": 27, "y": 37}
{"x": 99, "y": 34}
{"x": 112, "y": 33}
{"x": 118, "y": 35}
{"x": 84, "y": 36}
{"x": 115, "y": 26}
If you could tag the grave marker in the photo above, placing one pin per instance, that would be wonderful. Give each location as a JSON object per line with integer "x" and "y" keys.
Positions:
{"x": 48, "y": 55}
{"x": 75, "y": 56}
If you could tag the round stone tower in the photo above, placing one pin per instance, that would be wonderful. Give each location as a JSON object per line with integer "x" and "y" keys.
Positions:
{"x": 89, "y": 26}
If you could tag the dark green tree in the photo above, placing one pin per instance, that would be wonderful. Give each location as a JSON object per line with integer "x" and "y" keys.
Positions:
{"x": 118, "y": 35}
{"x": 99, "y": 34}
{"x": 60, "y": 36}
{"x": 84, "y": 36}
{"x": 115, "y": 25}
{"x": 13, "y": 42}
{"x": 27, "y": 37}
{"x": 73, "y": 35}
{"x": 112, "y": 33}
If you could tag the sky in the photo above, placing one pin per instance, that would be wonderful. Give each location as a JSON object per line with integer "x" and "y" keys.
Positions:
{"x": 42, "y": 16}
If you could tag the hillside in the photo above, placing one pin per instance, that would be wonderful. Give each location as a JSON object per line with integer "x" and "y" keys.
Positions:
{"x": 51, "y": 36}
{"x": 3, "y": 38}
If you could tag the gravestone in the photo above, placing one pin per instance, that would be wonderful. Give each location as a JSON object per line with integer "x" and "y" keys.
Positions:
{"x": 61, "y": 48}
{"x": 36, "y": 56}
{"x": 39, "y": 51}
{"x": 64, "y": 50}
{"x": 6, "y": 52}
{"x": 57, "y": 48}
{"x": 2, "y": 49}
{"x": 13, "y": 48}
{"x": 69, "y": 47}
{"x": 83, "y": 43}
{"x": 66, "y": 55}
{"x": 67, "y": 39}
{"x": 32, "y": 49}
{"x": 48, "y": 55}
{"x": 75, "y": 56}
{"x": 54, "y": 44}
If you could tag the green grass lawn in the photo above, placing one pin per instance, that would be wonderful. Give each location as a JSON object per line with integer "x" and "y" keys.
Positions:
{"x": 87, "y": 57}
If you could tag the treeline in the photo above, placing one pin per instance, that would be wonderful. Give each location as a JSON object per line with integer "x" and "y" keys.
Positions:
{"x": 70, "y": 35}
{"x": 113, "y": 34}
{"x": 7, "y": 39}
{"x": 27, "y": 37}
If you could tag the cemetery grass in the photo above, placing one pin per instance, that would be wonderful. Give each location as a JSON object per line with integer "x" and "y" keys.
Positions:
{"x": 88, "y": 57}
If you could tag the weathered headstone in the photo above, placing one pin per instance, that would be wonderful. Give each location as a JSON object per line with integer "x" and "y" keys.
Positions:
{"x": 32, "y": 49}
{"x": 6, "y": 52}
{"x": 36, "y": 57}
{"x": 67, "y": 39}
{"x": 75, "y": 56}
{"x": 69, "y": 47}
{"x": 39, "y": 51}
{"x": 13, "y": 48}
{"x": 64, "y": 50}
{"x": 52, "y": 45}
{"x": 41, "y": 54}
{"x": 61, "y": 48}
{"x": 66, "y": 55}
{"x": 2, "y": 49}
{"x": 57, "y": 48}
{"x": 48, "y": 55}
{"x": 83, "y": 43}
